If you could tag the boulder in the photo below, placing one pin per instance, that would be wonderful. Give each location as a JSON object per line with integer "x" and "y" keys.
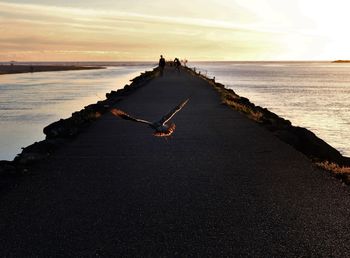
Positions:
{"x": 7, "y": 167}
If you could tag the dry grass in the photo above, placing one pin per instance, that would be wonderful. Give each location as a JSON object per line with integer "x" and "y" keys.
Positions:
{"x": 252, "y": 114}
{"x": 234, "y": 101}
{"x": 332, "y": 167}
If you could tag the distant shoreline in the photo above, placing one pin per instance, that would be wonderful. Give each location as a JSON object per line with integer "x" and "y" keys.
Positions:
{"x": 341, "y": 61}
{"x": 15, "y": 68}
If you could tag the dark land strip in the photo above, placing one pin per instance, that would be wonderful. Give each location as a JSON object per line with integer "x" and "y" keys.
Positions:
{"x": 221, "y": 186}
{"x": 11, "y": 69}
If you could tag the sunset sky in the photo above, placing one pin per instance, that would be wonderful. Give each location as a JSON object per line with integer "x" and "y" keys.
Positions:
{"x": 110, "y": 30}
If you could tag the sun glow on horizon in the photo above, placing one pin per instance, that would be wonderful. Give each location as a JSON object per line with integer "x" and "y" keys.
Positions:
{"x": 229, "y": 30}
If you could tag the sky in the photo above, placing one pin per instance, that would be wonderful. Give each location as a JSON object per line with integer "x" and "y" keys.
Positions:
{"x": 135, "y": 30}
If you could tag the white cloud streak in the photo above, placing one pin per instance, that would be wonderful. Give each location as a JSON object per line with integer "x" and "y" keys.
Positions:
{"x": 78, "y": 31}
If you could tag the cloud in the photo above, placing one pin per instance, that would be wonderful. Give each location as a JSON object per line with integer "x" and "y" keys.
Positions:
{"x": 71, "y": 32}
{"x": 87, "y": 17}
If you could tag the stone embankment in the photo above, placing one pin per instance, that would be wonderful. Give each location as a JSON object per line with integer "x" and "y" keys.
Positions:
{"x": 300, "y": 138}
{"x": 60, "y": 131}
{"x": 222, "y": 185}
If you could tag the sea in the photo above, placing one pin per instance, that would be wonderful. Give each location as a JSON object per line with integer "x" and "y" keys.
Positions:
{"x": 314, "y": 95}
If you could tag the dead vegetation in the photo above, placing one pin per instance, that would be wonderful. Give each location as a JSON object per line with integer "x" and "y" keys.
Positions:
{"x": 335, "y": 168}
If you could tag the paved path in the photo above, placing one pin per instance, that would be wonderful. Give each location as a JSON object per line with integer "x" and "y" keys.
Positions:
{"x": 221, "y": 186}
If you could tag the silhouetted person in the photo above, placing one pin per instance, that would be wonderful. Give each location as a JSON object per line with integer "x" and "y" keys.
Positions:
{"x": 177, "y": 64}
{"x": 161, "y": 65}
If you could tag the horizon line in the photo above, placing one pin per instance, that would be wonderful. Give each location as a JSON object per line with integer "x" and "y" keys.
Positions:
{"x": 140, "y": 61}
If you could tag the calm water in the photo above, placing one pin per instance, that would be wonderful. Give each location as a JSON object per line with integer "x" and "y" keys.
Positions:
{"x": 29, "y": 102}
{"x": 314, "y": 95}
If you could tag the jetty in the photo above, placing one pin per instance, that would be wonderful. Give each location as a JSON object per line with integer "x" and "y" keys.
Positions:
{"x": 221, "y": 186}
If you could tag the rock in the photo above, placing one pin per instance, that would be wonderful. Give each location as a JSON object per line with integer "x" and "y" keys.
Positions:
{"x": 7, "y": 167}
{"x": 344, "y": 177}
{"x": 99, "y": 107}
{"x": 29, "y": 158}
{"x": 45, "y": 146}
{"x": 63, "y": 128}
{"x": 112, "y": 94}
{"x": 315, "y": 147}
{"x": 287, "y": 137}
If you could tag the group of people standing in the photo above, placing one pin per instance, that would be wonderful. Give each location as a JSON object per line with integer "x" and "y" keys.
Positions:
{"x": 162, "y": 64}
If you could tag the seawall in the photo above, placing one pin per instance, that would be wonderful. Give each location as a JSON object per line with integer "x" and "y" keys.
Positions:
{"x": 221, "y": 185}
{"x": 61, "y": 131}
{"x": 300, "y": 138}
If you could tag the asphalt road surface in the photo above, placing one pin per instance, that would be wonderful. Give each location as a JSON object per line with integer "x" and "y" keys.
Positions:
{"x": 220, "y": 186}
